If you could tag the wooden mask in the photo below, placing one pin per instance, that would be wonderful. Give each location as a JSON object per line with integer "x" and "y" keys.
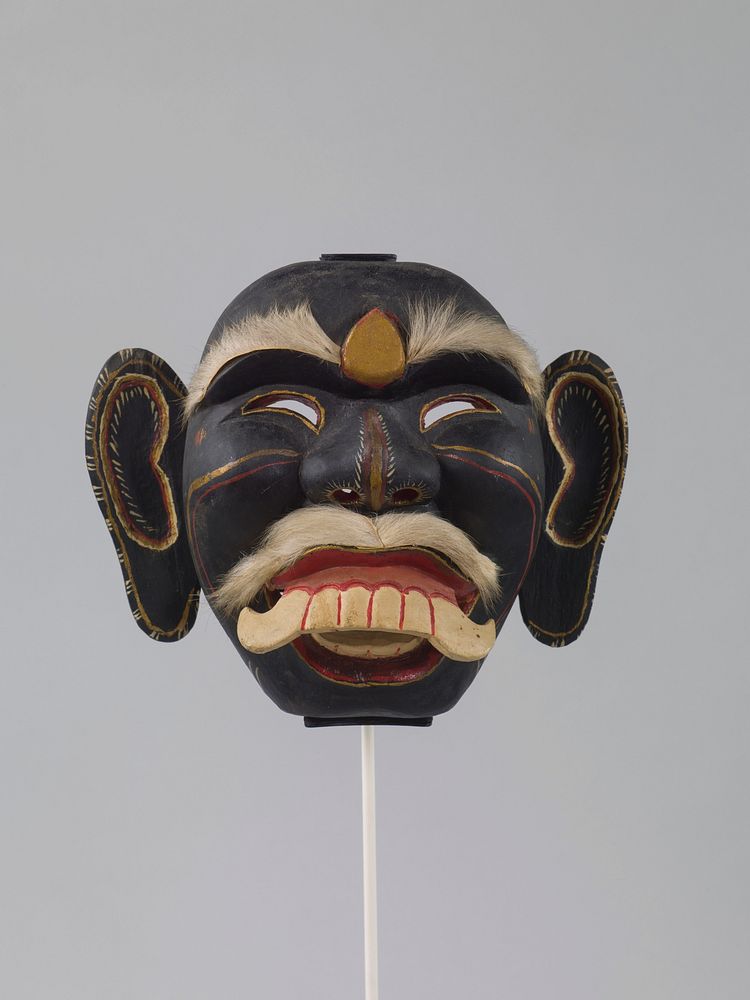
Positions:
{"x": 367, "y": 469}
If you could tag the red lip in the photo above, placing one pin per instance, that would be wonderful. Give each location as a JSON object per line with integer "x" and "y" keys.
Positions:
{"x": 401, "y": 565}
{"x": 404, "y": 568}
{"x": 413, "y": 666}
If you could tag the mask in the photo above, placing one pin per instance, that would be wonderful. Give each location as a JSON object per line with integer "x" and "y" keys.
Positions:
{"x": 367, "y": 470}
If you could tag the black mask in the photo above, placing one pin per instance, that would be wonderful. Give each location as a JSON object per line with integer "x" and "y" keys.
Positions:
{"x": 367, "y": 470}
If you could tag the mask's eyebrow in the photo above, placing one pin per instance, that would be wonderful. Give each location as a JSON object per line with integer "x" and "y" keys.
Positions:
{"x": 467, "y": 369}
{"x": 247, "y": 372}
{"x": 435, "y": 329}
{"x": 439, "y": 328}
{"x": 294, "y": 329}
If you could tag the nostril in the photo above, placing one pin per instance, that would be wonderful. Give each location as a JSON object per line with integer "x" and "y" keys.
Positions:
{"x": 407, "y": 494}
{"x": 345, "y": 496}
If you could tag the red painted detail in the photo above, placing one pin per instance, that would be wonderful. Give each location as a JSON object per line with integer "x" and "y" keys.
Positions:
{"x": 608, "y": 405}
{"x": 402, "y": 612}
{"x": 125, "y": 382}
{"x": 359, "y": 672}
{"x": 369, "y": 607}
{"x": 432, "y": 615}
{"x": 338, "y": 609}
{"x": 303, "y": 623}
{"x": 371, "y": 587}
{"x": 216, "y": 486}
{"x": 529, "y": 499}
{"x": 399, "y": 568}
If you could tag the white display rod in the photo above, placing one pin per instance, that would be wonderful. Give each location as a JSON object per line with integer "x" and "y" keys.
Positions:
{"x": 368, "y": 863}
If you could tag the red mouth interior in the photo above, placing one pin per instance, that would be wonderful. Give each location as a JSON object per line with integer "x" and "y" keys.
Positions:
{"x": 405, "y": 569}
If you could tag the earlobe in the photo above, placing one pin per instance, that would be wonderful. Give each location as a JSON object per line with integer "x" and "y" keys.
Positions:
{"x": 134, "y": 452}
{"x": 585, "y": 452}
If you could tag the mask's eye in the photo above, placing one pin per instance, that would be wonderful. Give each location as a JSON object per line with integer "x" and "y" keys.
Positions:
{"x": 297, "y": 404}
{"x": 451, "y": 406}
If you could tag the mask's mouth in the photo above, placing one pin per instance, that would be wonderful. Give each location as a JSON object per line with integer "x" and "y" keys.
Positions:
{"x": 369, "y": 616}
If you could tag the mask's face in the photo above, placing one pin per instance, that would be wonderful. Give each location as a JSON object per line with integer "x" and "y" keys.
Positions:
{"x": 366, "y": 470}
{"x": 403, "y": 518}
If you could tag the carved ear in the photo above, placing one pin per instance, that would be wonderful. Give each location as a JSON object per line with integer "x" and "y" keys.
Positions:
{"x": 585, "y": 450}
{"x": 134, "y": 449}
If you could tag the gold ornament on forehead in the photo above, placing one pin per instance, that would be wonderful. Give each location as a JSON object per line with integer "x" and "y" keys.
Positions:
{"x": 373, "y": 352}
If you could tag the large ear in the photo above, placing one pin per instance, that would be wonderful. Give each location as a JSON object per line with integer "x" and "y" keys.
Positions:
{"x": 134, "y": 449}
{"x": 585, "y": 450}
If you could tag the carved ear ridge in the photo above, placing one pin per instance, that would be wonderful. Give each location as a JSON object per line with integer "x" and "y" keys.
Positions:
{"x": 134, "y": 450}
{"x": 585, "y": 451}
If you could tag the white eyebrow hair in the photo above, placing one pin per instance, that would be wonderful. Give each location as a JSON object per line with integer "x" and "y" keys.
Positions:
{"x": 294, "y": 329}
{"x": 434, "y": 329}
{"x": 438, "y": 328}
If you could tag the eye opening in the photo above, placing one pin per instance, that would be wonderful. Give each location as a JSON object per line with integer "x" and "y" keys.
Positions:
{"x": 297, "y": 404}
{"x": 408, "y": 494}
{"x": 445, "y": 407}
{"x": 345, "y": 495}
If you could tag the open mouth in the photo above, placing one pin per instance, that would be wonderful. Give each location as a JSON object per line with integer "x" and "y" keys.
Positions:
{"x": 369, "y": 616}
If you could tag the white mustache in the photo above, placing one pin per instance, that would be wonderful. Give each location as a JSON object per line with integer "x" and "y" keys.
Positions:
{"x": 293, "y": 536}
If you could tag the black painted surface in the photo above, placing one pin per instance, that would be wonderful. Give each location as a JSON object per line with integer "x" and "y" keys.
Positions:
{"x": 527, "y": 493}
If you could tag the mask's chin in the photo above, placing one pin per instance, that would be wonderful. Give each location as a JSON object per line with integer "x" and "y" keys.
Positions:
{"x": 369, "y": 617}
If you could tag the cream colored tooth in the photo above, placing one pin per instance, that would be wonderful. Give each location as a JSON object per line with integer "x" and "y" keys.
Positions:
{"x": 417, "y": 616}
{"x": 457, "y": 636}
{"x": 260, "y": 633}
{"x": 386, "y": 609}
{"x": 322, "y": 614}
{"x": 370, "y": 645}
{"x": 354, "y": 603}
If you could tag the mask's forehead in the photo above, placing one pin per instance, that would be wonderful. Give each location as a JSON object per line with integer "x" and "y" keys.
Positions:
{"x": 340, "y": 292}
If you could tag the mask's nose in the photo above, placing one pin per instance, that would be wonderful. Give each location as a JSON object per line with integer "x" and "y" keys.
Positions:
{"x": 369, "y": 459}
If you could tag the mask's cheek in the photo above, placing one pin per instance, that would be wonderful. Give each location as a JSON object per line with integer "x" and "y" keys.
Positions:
{"x": 230, "y": 507}
{"x": 498, "y": 503}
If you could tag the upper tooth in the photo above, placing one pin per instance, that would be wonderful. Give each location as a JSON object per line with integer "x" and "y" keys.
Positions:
{"x": 260, "y": 633}
{"x": 322, "y": 612}
{"x": 436, "y": 619}
{"x": 457, "y": 636}
{"x": 417, "y": 614}
{"x": 354, "y": 604}
{"x": 386, "y": 608}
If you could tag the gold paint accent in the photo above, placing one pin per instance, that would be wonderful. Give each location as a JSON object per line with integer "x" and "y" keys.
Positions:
{"x": 374, "y": 444}
{"x": 496, "y": 458}
{"x": 569, "y": 464}
{"x": 610, "y": 506}
{"x": 287, "y": 394}
{"x": 458, "y": 397}
{"x": 209, "y": 476}
{"x": 376, "y": 484}
{"x": 151, "y": 389}
{"x": 373, "y": 352}
{"x": 139, "y": 612}
{"x": 584, "y": 605}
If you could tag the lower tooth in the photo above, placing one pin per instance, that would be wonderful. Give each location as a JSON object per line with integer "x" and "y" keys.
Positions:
{"x": 376, "y": 647}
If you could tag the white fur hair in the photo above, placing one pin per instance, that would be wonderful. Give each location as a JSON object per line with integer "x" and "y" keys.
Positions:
{"x": 310, "y": 527}
{"x": 435, "y": 328}
{"x": 293, "y": 329}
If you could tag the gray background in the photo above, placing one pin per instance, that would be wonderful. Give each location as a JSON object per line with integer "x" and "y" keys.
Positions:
{"x": 578, "y": 826}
